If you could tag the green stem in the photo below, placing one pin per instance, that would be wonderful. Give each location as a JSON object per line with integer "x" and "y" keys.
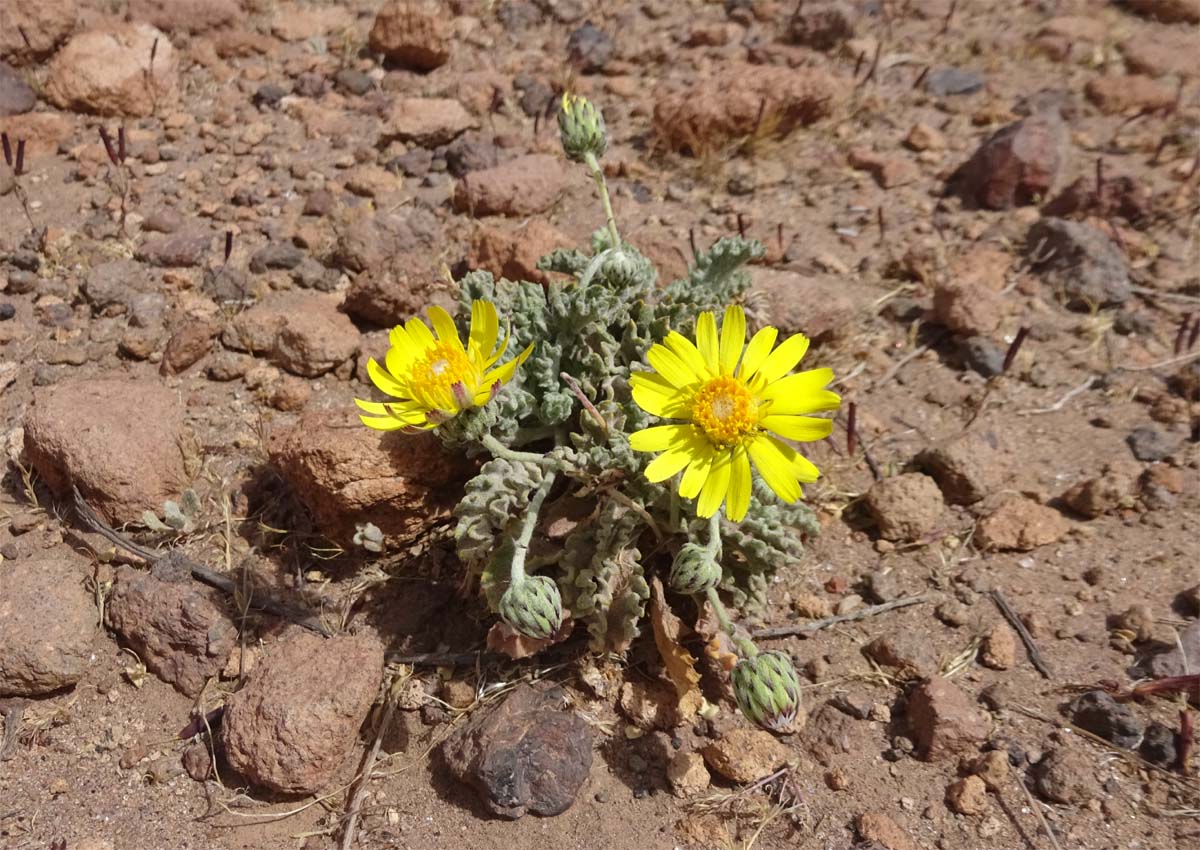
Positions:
{"x": 744, "y": 645}
{"x": 498, "y": 449}
{"x": 602, "y": 187}
{"x": 517, "y": 571}
{"x": 714, "y": 536}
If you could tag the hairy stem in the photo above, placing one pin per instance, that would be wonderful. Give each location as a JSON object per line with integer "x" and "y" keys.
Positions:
{"x": 498, "y": 449}
{"x": 745, "y": 646}
{"x": 602, "y": 187}
{"x": 517, "y": 571}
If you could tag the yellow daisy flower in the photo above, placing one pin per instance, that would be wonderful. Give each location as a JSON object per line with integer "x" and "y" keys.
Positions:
{"x": 434, "y": 376}
{"x": 736, "y": 401}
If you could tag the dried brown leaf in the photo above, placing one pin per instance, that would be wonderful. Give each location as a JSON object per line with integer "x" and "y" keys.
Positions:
{"x": 679, "y": 663}
{"x": 504, "y": 639}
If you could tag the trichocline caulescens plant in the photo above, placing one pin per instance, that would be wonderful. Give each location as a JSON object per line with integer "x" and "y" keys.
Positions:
{"x": 618, "y": 418}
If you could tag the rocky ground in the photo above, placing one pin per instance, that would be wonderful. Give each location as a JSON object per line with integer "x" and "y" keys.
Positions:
{"x": 985, "y": 214}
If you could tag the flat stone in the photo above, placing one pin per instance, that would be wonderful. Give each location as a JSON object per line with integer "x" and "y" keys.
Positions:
{"x": 943, "y": 722}
{"x": 942, "y": 82}
{"x": 16, "y": 97}
{"x": 745, "y": 755}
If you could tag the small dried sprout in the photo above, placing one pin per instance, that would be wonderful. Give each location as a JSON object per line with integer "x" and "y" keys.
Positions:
{"x": 178, "y": 516}
{"x": 369, "y": 537}
{"x": 135, "y": 672}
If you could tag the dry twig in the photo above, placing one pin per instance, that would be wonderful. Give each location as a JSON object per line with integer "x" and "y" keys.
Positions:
{"x": 1035, "y": 655}
{"x": 860, "y": 614}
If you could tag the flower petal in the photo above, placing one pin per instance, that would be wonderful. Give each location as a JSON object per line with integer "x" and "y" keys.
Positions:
{"x": 805, "y": 429}
{"x": 399, "y": 339}
{"x": 688, "y": 353}
{"x": 697, "y": 473}
{"x": 668, "y": 364}
{"x": 485, "y": 326}
{"x": 657, "y": 396}
{"x": 739, "y": 486}
{"x": 706, "y": 340}
{"x": 802, "y": 392}
{"x": 420, "y": 334}
{"x": 716, "y": 486}
{"x": 383, "y": 423}
{"x": 782, "y": 360}
{"x": 444, "y": 325}
{"x": 806, "y": 471}
{"x": 383, "y": 379}
{"x": 659, "y": 438}
{"x": 504, "y": 373}
{"x": 756, "y": 352}
{"x": 733, "y": 337}
{"x": 775, "y": 462}
{"x": 667, "y": 464}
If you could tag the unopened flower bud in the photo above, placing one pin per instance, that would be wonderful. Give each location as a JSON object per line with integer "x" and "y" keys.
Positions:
{"x": 694, "y": 570}
{"x": 533, "y": 607}
{"x": 767, "y": 689}
{"x": 581, "y": 128}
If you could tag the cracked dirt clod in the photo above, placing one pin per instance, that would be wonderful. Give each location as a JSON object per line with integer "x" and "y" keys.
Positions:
{"x": 178, "y": 628}
{"x": 47, "y": 623}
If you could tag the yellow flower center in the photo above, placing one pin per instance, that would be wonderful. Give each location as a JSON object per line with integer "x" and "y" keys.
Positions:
{"x": 726, "y": 410}
{"x": 443, "y": 366}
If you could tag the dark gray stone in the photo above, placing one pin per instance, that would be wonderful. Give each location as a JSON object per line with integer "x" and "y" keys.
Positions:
{"x": 1158, "y": 745}
{"x": 269, "y": 95}
{"x": 822, "y": 26}
{"x": 942, "y": 82}
{"x": 1150, "y": 444}
{"x": 353, "y": 82}
{"x": 982, "y": 355}
{"x": 1100, "y": 714}
{"x": 526, "y": 755}
{"x": 1082, "y": 265}
{"x": 16, "y": 97}
{"x": 589, "y": 48}
{"x": 279, "y": 255}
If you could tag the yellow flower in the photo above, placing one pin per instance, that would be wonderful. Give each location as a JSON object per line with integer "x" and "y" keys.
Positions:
{"x": 435, "y": 377}
{"x": 736, "y": 401}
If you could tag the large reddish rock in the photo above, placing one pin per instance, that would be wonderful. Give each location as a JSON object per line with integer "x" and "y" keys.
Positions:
{"x": 47, "y": 623}
{"x": 402, "y": 288}
{"x": 1162, "y": 52}
{"x": 109, "y": 71}
{"x": 514, "y": 253}
{"x": 415, "y": 34}
{"x": 1020, "y": 524}
{"x": 292, "y": 725}
{"x": 178, "y": 628}
{"x": 943, "y": 722}
{"x": 1019, "y": 164}
{"x": 186, "y": 16}
{"x": 739, "y": 101}
{"x": 525, "y": 755}
{"x": 527, "y": 185}
{"x": 31, "y": 30}
{"x": 346, "y": 473}
{"x": 304, "y": 333}
{"x": 119, "y": 440}
{"x": 1168, "y": 11}
{"x": 426, "y": 121}
{"x": 1114, "y": 95}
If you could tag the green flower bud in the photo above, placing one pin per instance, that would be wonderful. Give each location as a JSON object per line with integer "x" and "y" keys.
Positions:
{"x": 533, "y": 607}
{"x": 694, "y": 570}
{"x": 581, "y": 128}
{"x": 767, "y": 689}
